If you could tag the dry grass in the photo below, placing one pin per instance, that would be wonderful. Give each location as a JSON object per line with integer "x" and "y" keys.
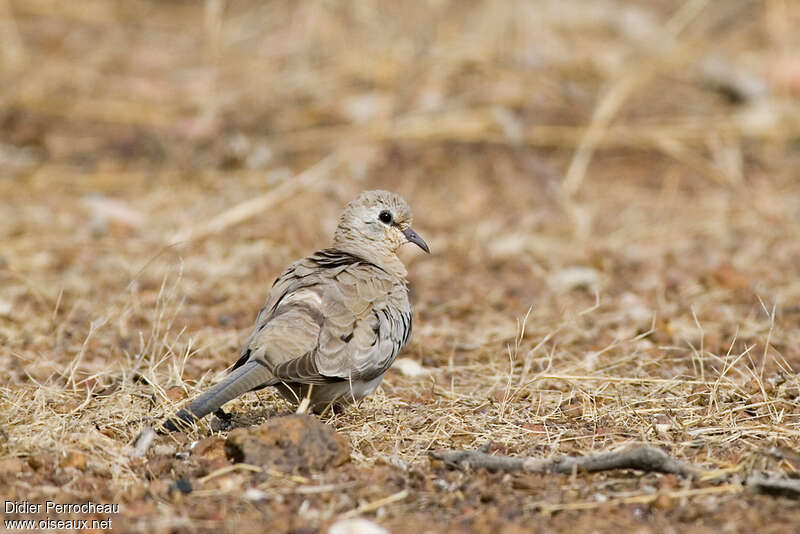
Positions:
{"x": 615, "y": 245}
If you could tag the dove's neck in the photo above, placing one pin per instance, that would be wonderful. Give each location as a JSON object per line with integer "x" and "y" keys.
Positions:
{"x": 385, "y": 259}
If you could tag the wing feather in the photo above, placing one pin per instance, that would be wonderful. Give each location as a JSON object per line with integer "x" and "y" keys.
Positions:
{"x": 331, "y": 317}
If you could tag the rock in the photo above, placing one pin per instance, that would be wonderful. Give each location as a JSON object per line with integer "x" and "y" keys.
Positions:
{"x": 635, "y": 310}
{"x": 733, "y": 81}
{"x": 356, "y": 526}
{"x": 16, "y": 161}
{"x": 783, "y": 71}
{"x": 6, "y": 308}
{"x": 574, "y": 278}
{"x": 255, "y": 494}
{"x": 157, "y": 466}
{"x": 175, "y": 394}
{"x": 11, "y": 466}
{"x": 104, "y": 210}
{"x": 212, "y": 448}
{"x": 182, "y": 485}
{"x": 211, "y": 453}
{"x": 46, "y": 462}
{"x": 289, "y": 444}
{"x": 366, "y": 107}
{"x": 730, "y": 278}
{"x": 572, "y": 408}
{"x": 164, "y": 449}
{"x": 74, "y": 459}
{"x": 409, "y": 367}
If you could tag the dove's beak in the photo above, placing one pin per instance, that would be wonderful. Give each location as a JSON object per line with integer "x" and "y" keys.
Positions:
{"x": 413, "y": 237}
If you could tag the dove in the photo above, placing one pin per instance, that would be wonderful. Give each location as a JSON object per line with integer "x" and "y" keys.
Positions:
{"x": 333, "y": 322}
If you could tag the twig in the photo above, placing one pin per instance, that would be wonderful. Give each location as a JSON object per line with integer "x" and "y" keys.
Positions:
{"x": 229, "y": 469}
{"x": 647, "y": 459}
{"x": 784, "y": 487}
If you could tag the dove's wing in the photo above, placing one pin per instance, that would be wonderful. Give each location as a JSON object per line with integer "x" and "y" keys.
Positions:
{"x": 366, "y": 321}
{"x": 332, "y": 316}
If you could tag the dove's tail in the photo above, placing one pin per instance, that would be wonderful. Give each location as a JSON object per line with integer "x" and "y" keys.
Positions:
{"x": 249, "y": 376}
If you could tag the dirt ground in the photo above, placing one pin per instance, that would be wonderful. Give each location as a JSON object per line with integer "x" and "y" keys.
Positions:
{"x": 609, "y": 189}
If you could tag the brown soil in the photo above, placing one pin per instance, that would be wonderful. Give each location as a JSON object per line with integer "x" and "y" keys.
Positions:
{"x": 609, "y": 189}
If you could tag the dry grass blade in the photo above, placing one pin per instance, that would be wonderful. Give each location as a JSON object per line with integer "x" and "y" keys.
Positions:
{"x": 374, "y": 505}
{"x": 230, "y": 469}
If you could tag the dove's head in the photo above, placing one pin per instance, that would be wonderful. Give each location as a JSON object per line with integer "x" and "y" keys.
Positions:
{"x": 374, "y": 225}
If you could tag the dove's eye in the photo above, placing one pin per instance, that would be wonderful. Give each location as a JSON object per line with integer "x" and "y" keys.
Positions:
{"x": 385, "y": 216}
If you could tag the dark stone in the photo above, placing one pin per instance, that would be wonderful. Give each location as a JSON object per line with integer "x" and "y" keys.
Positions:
{"x": 183, "y": 485}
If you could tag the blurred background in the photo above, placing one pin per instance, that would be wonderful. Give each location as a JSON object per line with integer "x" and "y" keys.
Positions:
{"x": 103, "y": 95}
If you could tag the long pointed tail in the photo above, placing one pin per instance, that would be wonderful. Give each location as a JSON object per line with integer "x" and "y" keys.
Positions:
{"x": 241, "y": 380}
